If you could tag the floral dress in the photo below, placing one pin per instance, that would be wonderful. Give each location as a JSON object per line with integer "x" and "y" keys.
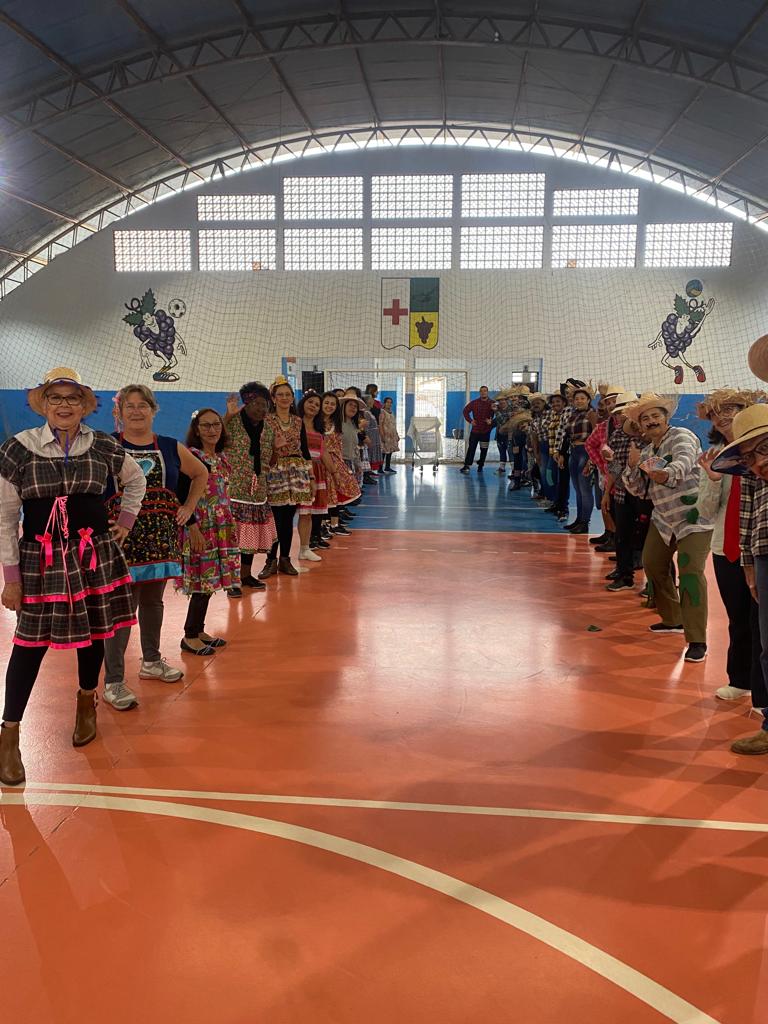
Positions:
{"x": 248, "y": 492}
{"x": 152, "y": 548}
{"x": 390, "y": 439}
{"x": 218, "y": 566}
{"x": 288, "y": 472}
{"x": 342, "y": 486}
{"x": 320, "y": 505}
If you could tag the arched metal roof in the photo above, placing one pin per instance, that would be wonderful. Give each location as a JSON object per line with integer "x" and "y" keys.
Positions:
{"x": 102, "y": 103}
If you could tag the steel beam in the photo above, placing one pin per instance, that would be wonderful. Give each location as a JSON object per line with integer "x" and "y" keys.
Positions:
{"x": 491, "y": 136}
{"x": 78, "y": 80}
{"x": 526, "y": 33}
{"x": 269, "y": 56}
{"x": 161, "y": 47}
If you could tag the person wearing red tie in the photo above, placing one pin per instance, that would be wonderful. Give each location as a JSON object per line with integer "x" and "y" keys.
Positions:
{"x": 479, "y": 414}
{"x": 720, "y": 498}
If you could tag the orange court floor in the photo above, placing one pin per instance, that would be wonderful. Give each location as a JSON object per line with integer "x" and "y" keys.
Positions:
{"x": 414, "y": 787}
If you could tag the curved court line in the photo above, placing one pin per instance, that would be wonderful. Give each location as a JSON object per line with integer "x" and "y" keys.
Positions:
{"x": 393, "y": 805}
{"x": 625, "y": 977}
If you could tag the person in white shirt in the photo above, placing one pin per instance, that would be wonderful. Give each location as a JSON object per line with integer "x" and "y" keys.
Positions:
{"x": 66, "y": 578}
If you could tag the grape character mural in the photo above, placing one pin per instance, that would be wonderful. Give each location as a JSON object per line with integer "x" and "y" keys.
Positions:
{"x": 680, "y": 329}
{"x": 157, "y": 334}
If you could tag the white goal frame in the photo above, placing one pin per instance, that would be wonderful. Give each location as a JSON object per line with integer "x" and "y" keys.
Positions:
{"x": 371, "y": 374}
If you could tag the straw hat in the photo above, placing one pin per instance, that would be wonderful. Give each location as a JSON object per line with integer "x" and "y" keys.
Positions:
{"x": 651, "y": 401}
{"x": 279, "y": 381}
{"x": 758, "y": 358}
{"x": 61, "y": 375}
{"x": 350, "y": 396}
{"x": 516, "y": 422}
{"x": 538, "y": 396}
{"x": 713, "y": 403}
{"x": 623, "y": 399}
{"x": 606, "y": 390}
{"x": 748, "y": 425}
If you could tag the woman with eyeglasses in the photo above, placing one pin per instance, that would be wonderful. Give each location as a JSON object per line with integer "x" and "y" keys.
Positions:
{"x": 152, "y": 551}
{"x": 66, "y": 578}
{"x": 210, "y": 555}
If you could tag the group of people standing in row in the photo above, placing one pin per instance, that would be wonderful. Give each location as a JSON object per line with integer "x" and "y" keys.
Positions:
{"x": 108, "y": 520}
{"x": 666, "y": 505}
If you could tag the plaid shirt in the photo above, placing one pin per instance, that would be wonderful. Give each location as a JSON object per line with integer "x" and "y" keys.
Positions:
{"x": 579, "y": 426}
{"x": 539, "y": 425}
{"x": 753, "y": 518}
{"x": 619, "y": 443}
{"x": 561, "y": 434}
{"x": 674, "y": 512}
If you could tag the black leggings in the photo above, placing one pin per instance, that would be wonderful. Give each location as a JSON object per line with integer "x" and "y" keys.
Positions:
{"x": 317, "y": 525}
{"x": 388, "y": 460}
{"x": 283, "y": 516}
{"x": 246, "y": 564}
{"x": 24, "y": 666}
{"x": 195, "y": 622}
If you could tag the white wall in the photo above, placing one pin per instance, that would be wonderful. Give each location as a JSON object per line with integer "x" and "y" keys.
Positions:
{"x": 593, "y": 323}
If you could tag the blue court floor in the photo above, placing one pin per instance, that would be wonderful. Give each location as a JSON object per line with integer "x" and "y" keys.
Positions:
{"x": 417, "y": 499}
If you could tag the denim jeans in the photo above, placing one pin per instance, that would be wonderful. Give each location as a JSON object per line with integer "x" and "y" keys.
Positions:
{"x": 585, "y": 501}
{"x": 761, "y": 579}
{"x": 502, "y": 443}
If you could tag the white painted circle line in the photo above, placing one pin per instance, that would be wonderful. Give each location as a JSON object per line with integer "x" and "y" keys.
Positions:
{"x": 393, "y": 805}
{"x": 620, "y": 974}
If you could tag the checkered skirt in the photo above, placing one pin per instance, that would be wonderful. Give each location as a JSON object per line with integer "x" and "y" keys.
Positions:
{"x": 67, "y": 603}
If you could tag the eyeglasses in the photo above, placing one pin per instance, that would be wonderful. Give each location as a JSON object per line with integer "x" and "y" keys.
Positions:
{"x": 760, "y": 451}
{"x": 138, "y": 407}
{"x": 213, "y": 425}
{"x": 68, "y": 400}
{"x": 729, "y": 410}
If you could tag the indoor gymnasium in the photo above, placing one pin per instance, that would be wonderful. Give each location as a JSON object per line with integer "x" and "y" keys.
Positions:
{"x": 383, "y": 511}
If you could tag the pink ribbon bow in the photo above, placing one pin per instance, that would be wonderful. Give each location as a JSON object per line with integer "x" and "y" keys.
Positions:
{"x": 86, "y": 541}
{"x": 45, "y": 540}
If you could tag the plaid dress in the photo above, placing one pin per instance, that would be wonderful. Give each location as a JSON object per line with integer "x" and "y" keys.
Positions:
{"x": 75, "y": 580}
{"x": 248, "y": 493}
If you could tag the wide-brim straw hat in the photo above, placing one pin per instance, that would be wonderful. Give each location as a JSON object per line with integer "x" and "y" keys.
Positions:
{"x": 651, "y": 401}
{"x": 748, "y": 425}
{"x": 606, "y": 390}
{"x": 354, "y": 398}
{"x": 520, "y": 419}
{"x": 728, "y": 396}
{"x": 757, "y": 358}
{"x": 538, "y": 396}
{"x": 61, "y": 375}
{"x": 623, "y": 399}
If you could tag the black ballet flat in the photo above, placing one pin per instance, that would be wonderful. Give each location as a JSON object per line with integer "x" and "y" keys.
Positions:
{"x": 215, "y": 641}
{"x": 201, "y": 652}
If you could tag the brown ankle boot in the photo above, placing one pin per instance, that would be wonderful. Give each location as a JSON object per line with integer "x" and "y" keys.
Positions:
{"x": 85, "y": 719}
{"x": 286, "y": 567}
{"x": 11, "y": 768}
{"x": 270, "y": 568}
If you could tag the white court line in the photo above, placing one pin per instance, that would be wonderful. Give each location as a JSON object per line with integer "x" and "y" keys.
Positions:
{"x": 393, "y": 805}
{"x": 597, "y": 960}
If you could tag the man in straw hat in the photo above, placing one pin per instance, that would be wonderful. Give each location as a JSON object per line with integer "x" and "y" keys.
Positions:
{"x": 747, "y": 456}
{"x": 666, "y": 472}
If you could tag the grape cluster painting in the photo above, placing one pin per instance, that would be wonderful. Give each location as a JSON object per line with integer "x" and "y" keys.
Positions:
{"x": 679, "y": 330}
{"x": 157, "y": 334}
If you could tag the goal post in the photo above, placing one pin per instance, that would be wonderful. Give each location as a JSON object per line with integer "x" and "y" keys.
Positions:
{"x": 440, "y": 393}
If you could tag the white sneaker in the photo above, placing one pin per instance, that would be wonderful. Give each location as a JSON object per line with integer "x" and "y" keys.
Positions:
{"x": 731, "y": 693}
{"x": 120, "y": 697}
{"x": 308, "y": 555}
{"x": 160, "y": 670}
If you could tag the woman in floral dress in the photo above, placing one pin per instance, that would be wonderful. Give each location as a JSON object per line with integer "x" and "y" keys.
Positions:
{"x": 210, "y": 557}
{"x": 343, "y": 489}
{"x": 311, "y": 515}
{"x": 390, "y": 439}
{"x": 290, "y": 479}
{"x": 247, "y": 483}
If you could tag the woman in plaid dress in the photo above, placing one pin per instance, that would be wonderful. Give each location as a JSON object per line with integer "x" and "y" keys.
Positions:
{"x": 66, "y": 578}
